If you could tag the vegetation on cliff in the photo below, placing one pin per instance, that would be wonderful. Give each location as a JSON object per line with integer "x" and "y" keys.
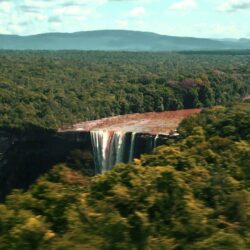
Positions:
{"x": 52, "y": 89}
{"x": 191, "y": 194}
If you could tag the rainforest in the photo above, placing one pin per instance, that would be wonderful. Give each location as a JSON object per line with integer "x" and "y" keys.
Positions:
{"x": 55, "y": 89}
{"x": 186, "y": 187}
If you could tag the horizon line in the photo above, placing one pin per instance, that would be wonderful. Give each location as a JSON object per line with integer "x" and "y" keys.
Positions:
{"x": 128, "y": 30}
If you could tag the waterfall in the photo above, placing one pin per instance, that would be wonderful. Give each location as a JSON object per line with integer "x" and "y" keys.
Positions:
{"x": 108, "y": 149}
{"x": 112, "y": 147}
{"x": 155, "y": 141}
{"x": 115, "y": 151}
{"x": 132, "y": 146}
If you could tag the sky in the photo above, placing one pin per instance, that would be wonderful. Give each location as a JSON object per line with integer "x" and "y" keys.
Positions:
{"x": 196, "y": 18}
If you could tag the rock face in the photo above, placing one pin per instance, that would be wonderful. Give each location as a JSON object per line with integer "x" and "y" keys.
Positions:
{"x": 93, "y": 147}
{"x": 123, "y": 138}
{"x": 25, "y": 156}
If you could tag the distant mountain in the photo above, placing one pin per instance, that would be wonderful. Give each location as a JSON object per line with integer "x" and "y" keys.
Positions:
{"x": 116, "y": 40}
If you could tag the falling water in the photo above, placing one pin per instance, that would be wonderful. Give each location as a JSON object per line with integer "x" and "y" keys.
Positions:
{"x": 132, "y": 146}
{"x": 155, "y": 141}
{"x": 112, "y": 147}
{"x": 108, "y": 148}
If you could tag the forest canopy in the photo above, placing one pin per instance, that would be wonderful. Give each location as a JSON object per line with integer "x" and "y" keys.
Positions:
{"x": 192, "y": 194}
{"x": 54, "y": 89}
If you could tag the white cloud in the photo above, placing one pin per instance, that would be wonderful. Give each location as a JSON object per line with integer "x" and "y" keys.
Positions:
{"x": 70, "y": 10}
{"x": 234, "y": 5}
{"x": 218, "y": 28}
{"x": 37, "y": 4}
{"x": 14, "y": 28}
{"x": 74, "y": 12}
{"x": 183, "y": 5}
{"x": 229, "y": 29}
{"x": 135, "y": 1}
{"x": 121, "y": 24}
{"x": 29, "y": 16}
{"x": 6, "y": 7}
{"x": 37, "y": 16}
{"x": 137, "y": 11}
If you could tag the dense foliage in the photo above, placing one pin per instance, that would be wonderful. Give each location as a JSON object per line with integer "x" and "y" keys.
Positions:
{"x": 51, "y": 89}
{"x": 191, "y": 195}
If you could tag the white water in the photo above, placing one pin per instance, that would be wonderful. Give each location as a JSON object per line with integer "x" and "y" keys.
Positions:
{"x": 132, "y": 146}
{"x": 108, "y": 149}
{"x": 155, "y": 141}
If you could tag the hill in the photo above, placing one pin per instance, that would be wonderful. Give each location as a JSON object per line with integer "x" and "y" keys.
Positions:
{"x": 116, "y": 40}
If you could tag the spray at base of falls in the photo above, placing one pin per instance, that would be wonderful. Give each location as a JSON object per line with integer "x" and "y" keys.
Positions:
{"x": 112, "y": 147}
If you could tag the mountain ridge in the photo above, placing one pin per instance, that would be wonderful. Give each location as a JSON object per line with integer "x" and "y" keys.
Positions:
{"x": 116, "y": 40}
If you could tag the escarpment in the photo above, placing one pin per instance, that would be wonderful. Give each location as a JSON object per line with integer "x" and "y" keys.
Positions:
{"x": 93, "y": 146}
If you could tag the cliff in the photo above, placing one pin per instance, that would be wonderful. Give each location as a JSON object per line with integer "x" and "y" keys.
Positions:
{"x": 93, "y": 147}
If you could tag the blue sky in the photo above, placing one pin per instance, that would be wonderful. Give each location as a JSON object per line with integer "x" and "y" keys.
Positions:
{"x": 199, "y": 18}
